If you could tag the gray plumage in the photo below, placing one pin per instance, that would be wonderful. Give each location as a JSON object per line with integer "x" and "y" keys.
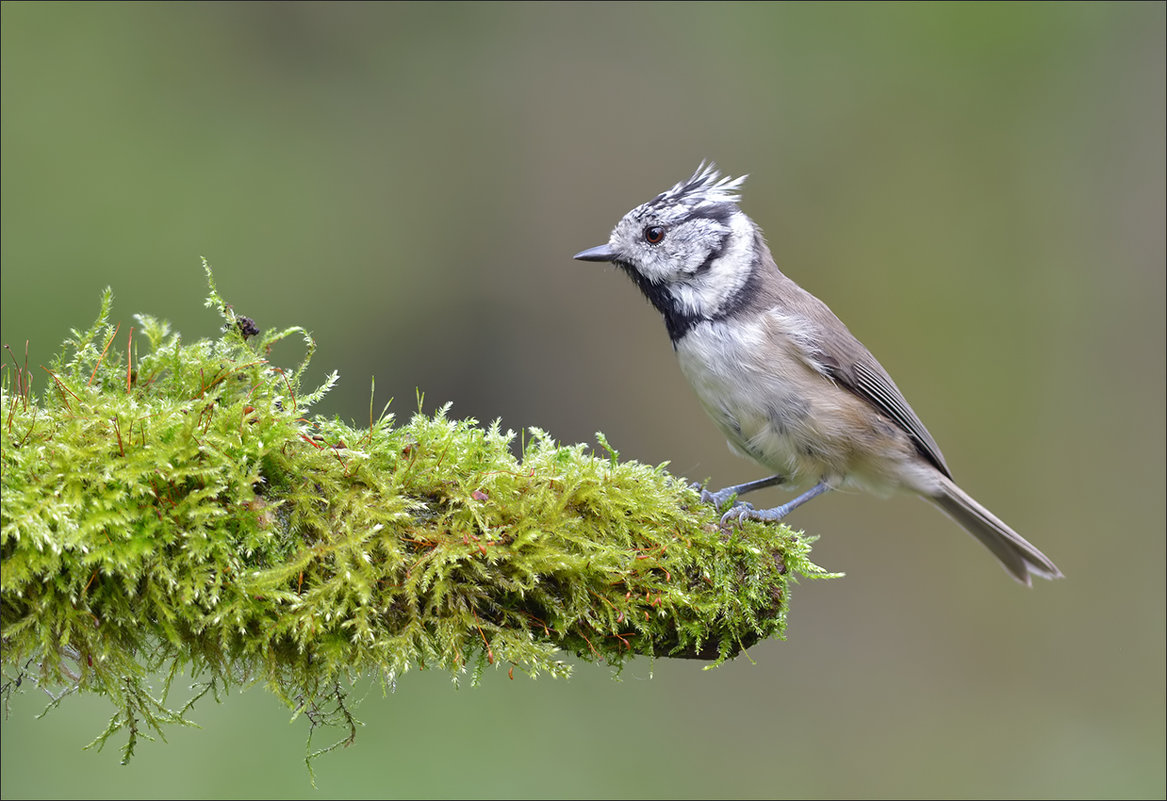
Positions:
{"x": 780, "y": 375}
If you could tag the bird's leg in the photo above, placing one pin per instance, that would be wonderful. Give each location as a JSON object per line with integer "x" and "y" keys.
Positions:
{"x": 721, "y": 496}
{"x": 745, "y": 511}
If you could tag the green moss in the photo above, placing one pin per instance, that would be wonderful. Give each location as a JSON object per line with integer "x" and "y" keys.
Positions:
{"x": 177, "y": 507}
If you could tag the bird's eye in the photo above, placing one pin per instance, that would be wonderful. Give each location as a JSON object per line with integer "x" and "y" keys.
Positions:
{"x": 654, "y": 234}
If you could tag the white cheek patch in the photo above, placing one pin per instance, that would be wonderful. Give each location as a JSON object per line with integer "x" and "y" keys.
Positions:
{"x": 705, "y": 293}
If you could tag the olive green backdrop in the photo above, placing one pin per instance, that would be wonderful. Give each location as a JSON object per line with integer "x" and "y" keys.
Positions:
{"x": 977, "y": 190}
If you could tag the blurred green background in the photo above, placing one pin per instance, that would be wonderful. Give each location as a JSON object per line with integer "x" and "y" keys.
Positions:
{"x": 976, "y": 189}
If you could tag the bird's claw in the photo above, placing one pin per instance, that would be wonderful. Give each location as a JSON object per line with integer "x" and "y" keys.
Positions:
{"x": 738, "y": 513}
{"x": 716, "y": 499}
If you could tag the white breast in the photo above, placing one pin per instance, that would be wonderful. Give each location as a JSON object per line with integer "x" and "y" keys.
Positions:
{"x": 758, "y": 388}
{"x": 775, "y": 404}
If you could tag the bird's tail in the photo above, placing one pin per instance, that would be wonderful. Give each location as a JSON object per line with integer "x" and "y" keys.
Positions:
{"x": 1015, "y": 554}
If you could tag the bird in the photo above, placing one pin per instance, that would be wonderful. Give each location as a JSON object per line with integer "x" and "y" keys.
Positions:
{"x": 781, "y": 376}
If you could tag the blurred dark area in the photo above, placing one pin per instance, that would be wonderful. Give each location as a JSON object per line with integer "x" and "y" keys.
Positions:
{"x": 977, "y": 190}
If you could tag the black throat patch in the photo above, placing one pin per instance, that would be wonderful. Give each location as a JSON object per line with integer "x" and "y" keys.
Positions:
{"x": 680, "y": 321}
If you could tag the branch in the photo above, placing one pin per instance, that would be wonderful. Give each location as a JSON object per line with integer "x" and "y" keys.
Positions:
{"x": 181, "y": 509}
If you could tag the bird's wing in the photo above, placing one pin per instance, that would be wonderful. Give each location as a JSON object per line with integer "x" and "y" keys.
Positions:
{"x": 836, "y": 353}
{"x": 830, "y": 348}
{"x": 870, "y": 381}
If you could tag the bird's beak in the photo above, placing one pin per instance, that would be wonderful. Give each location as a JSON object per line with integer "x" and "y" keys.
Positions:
{"x": 601, "y": 253}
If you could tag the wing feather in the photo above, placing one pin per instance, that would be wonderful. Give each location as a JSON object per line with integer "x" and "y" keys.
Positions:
{"x": 830, "y": 348}
{"x": 876, "y": 386}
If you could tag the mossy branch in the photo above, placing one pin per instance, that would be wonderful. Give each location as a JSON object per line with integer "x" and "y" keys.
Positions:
{"x": 176, "y": 507}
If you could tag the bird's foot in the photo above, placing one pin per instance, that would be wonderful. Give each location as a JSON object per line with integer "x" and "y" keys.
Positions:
{"x": 719, "y": 498}
{"x": 739, "y": 511}
{"x": 742, "y": 511}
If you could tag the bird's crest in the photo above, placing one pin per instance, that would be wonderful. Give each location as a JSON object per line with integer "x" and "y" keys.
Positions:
{"x": 706, "y": 186}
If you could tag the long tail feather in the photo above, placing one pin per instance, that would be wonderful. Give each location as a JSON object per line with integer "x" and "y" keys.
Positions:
{"x": 1020, "y": 558}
